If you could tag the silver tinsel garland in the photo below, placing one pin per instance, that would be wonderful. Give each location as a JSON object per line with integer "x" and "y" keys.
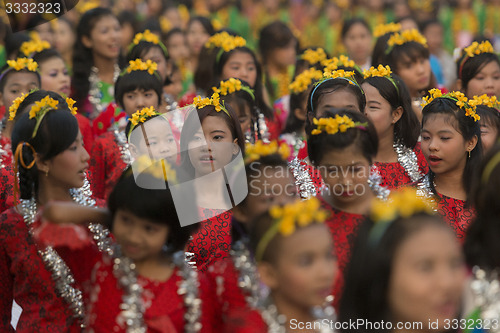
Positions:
{"x": 248, "y": 279}
{"x": 3, "y": 152}
{"x": 302, "y": 179}
{"x": 408, "y": 160}
{"x": 485, "y": 289}
{"x": 95, "y": 94}
{"x": 374, "y": 181}
{"x": 123, "y": 145}
{"x": 424, "y": 190}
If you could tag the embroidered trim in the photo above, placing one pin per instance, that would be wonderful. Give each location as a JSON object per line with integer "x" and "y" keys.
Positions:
{"x": 408, "y": 160}
{"x": 303, "y": 180}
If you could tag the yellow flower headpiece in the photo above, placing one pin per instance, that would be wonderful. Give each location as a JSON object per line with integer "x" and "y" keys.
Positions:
{"x": 476, "y": 49}
{"x": 314, "y": 56}
{"x": 304, "y": 80}
{"x": 23, "y": 63}
{"x": 139, "y": 65}
{"x": 225, "y": 41}
{"x": 230, "y": 86}
{"x": 40, "y": 109}
{"x": 34, "y": 45}
{"x": 15, "y": 106}
{"x": 159, "y": 169}
{"x": 334, "y": 63}
{"x": 425, "y": 5}
{"x": 148, "y": 36}
{"x": 299, "y": 213}
{"x": 140, "y": 117}
{"x": 404, "y": 203}
{"x": 334, "y": 125}
{"x": 255, "y": 152}
{"x": 329, "y": 75}
{"x": 403, "y": 37}
{"x": 379, "y": 71}
{"x": 84, "y": 6}
{"x": 469, "y": 106}
{"x": 71, "y": 102}
{"x": 489, "y": 101}
{"x": 214, "y": 100}
{"x": 383, "y": 29}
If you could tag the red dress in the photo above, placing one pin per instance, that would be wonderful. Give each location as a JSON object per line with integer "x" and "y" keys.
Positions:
{"x": 343, "y": 227}
{"x": 5, "y": 151}
{"x": 457, "y": 214}
{"x": 106, "y": 165}
{"x": 6, "y": 187}
{"x": 25, "y": 278}
{"x": 394, "y": 174}
{"x": 211, "y": 242}
{"x": 86, "y": 130}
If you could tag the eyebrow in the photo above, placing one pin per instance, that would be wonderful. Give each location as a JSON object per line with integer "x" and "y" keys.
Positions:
{"x": 441, "y": 131}
{"x": 218, "y": 131}
{"x": 374, "y": 102}
{"x": 340, "y": 166}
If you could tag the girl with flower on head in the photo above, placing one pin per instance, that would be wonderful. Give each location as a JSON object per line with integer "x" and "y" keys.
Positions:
{"x": 342, "y": 146}
{"x": 388, "y": 105}
{"x": 451, "y": 144}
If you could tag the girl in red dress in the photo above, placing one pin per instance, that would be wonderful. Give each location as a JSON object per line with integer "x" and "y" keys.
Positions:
{"x": 343, "y": 150}
{"x": 52, "y": 164}
{"x": 451, "y": 143}
{"x": 406, "y": 269}
{"x": 388, "y": 105}
{"x": 135, "y": 89}
{"x": 211, "y": 145}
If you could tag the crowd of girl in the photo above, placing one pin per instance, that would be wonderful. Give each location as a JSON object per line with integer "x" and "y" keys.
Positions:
{"x": 150, "y": 188}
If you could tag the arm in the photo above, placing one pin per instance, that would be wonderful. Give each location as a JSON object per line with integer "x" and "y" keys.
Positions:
{"x": 59, "y": 212}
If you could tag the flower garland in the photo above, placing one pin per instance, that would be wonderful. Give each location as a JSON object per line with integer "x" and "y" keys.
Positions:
{"x": 383, "y": 29}
{"x": 15, "y": 106}
{"x": 332, "y": 126}
{"x": 260, "y": 149}
{"x": 34, "y": 45}
{"x": 147, "y": 36}
{"x": 314, "y": 56}
{"x": 23, "y": 63}
{"x": 403, "y": 37}
{"x": 469, "y": 106}
{"x": 225, "y": 41}
{"x": 335, "y": 62}
{"x": 403, "y": 203}
{"x": 139, "y": 65}
{"x": 478, "y": 48}
{"x": 489, "y": 101}
{"x": 424, "y": 188}
{"x": 304, "y": 80}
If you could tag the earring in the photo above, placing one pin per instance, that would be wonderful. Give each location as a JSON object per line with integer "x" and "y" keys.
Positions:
{"x": 47, "y": 173}
{"x": 469, "y": 154}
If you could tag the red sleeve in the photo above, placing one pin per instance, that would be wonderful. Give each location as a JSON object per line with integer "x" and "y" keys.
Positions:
{"x": 6, "y": 188}
{"x": 422, "y": 162}
{"x": 88, "y": 137}
{"x": 211, "y": 319}
{"x": 7, "y": 287}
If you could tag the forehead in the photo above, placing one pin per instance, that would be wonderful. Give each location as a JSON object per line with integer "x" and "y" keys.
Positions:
{"x": 239, "y": 56}
{"x": 339, "y": 98}
{"x": 21, "y": 78}
{"x": 212, "y": 123}
{"x": 345, "y": 156}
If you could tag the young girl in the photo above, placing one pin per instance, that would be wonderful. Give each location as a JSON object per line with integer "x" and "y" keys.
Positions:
{"x": 211, "y": 143}
{"x": 406, "y": 269}
{"x": 357, "y": 39}
{"x": 342, "y": 147}
{"x": 406, "y": 53}
{"x": 95, "y": 61}
{"x": 242, "y": 101}
{"x": 489, "y": 122}
{"x": 136, "y": 89}
{"x": 296, "y": 262}
{"x": 388, "y": 106}
{"x": 18, "y": 78}
{"x": 451, "y": 143}
{"x": 52, "y": 163}
{"x": 64, "y": 39}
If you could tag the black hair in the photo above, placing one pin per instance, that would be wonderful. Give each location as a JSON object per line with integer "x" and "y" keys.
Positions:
{"x": 7, "y": 71}
{"x": 13, "y": 43}
{"x": 258, "y": 88}
{"x": 410, "y": 50}
{"x": 294, "y": 124}
{"x": 239, "y": 99}
{"x": 468, "y": 68}
{"x": 205, "y": 22}
{"x": 258, "y": 228}
{"x": 35, "y": 96}
{"x": 327, "y": 87}
{"x": 378, "y": 53}
{"x": 481, "y": 245}
{"x": 82, "y": 55}
{"x": 128, "y": 17}
{"x": 366, "y": 139}
{"x": 45, "y": 55}
{"x": 152, "y": 24}
{"x": 489, "y": 116}
{"x": 427, "y": 23}
{"x": 368, "y": 274}
{"x": 406, "y": 129}
{"x": 142, "y": 48}
{"x": 191, "y": 126}
{"x": 172, "y": 32}
{"x": 156, "y": 205}
{"x": 35, "y": 21}
{"x": 463, "y": 124}
{"x": 204, "y": 75}
{"x": 57, "y": 131}
{"x": 348, "y": 24}
{"x": 141, "y": 80}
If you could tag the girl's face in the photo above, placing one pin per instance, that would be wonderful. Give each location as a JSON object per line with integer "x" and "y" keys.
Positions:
{"x": 341, "y": 99}
{"x": 55, "y": 76}
{"x": 138, "y": 99}
{"x": 486, "y": 81}
{"x": 285, "y": 56}
{"x": 305, "y": 268}
{"x": 46, "y": 33}
{"x": 196, "y": 37}
{"x": 160, "y": 143}
{"x": 155, "y": 54}
{"x": 177, "y": 47}
{"x": 416, "y": 75}
{"x": 379, "y": 111}
{"x": 68, "y": 169}
{"x": 64, "y": 37}
{"x": 244, "y": 116}
{"x": 212, "y": 147}
{"x": 17, "y": 84}
{"x": 140, "y": 239}
{"x": 427, "y": 279}
{"x": 240, "y": 65}
{"x": 105, "y": 38}
{"x": 128, "y": 34}
{"x": 489, "y": 134}
{"x": 271, "y": 186}
{"x": 444, "y": 148}
{"x": 434, "y": 35}
{"x": 174, "y": 88}
{"x": 358, "y": 43}
{"x": 346, "y": 173}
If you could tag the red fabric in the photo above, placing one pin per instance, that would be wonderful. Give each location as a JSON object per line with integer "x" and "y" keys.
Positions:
{"x": 108, "y": 117}
{"x": 274, "y": 129}
{"x": 6, "y": 187}
{"x": 86, "y": 130}
{"x": 106, "y": 165}
{"x": 24, "y": 277}
{"x": 2, "y": 111}
{"x": 212, "y": 240}
{"x": 5, "y": 144}
{"x": 458, "y": 216}
{"x": 187, "y": 99}
{"x": 394, "y": 175}
{"x": 343, "y": 227}
{"x": 244, "y": 320}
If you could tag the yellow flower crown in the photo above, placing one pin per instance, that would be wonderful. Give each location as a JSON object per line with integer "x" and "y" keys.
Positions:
{"x": 383, "y": 29}
{"x": 304, "y": 80}
{"x": 489, "y": 101}
{"x": 230, "y": 86}
{"x": 160, "y": 169}
{"x": 314, "y": 56}
{"x": 340, "y": 73}
{"x": 403, "y": 37}
{"x": 15, "y": 106}
{"x": 334, "y": 63}
{"x": 225, "y": 41}
{"x": 379, "y": 71}
{"x": 255, "y": 152}
{"x": 425, "y": 5}
{"x": 476, "y": 49}
{"x": 41, "y": 108}
{"x": 23, "y": 63}
{"x": 139, "y": 65}
{"x": 140, "y": 117}
{"x": 71, "y": 102}
{"x": 469, "y": 106}
{"x": 299, "y": 213}
{"x": 334, "y": 125}
{"x": 148, "y": 36}
{"x": 34, "y": 45}
{"x": 214, "y": 100}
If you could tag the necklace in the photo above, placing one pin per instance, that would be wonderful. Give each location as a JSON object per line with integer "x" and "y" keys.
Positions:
{"x": 95, "y": 93}
{"x": 123, "y": 145}
{"x": 408, "y": 160}
{"x": 295, "y": 140}
{"x": 61, "y": 274}
{"x": 374, "y": 181}
{"x": 303, "y": 180}
{"x": 248, "y": 279}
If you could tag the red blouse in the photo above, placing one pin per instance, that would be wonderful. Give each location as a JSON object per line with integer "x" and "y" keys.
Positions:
{"x": 106, "y": 165}
{"x": 6, "y": 188}
{"x": 6, "y": 155}
{"x": 457, "y": 214}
